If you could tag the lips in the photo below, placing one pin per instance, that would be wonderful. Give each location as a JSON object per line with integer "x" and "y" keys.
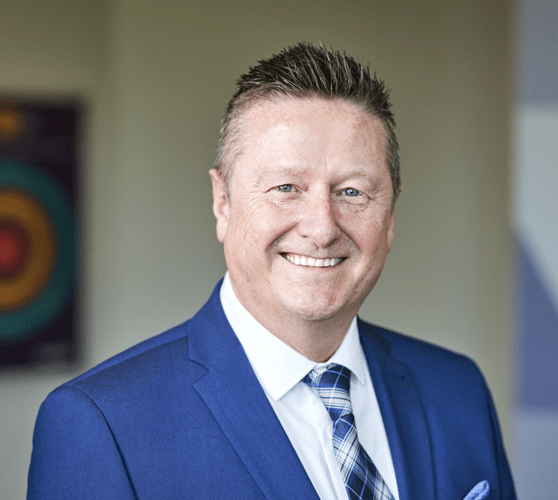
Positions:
{"x": 303, "y": 260}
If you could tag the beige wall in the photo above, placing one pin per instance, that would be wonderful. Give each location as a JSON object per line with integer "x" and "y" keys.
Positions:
{"x": 157, "y": 77}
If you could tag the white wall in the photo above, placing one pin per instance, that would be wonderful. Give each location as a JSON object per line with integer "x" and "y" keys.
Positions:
{"x": 157, "y": 77}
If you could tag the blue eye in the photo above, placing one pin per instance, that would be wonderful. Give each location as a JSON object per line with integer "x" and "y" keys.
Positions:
{"x": 350, "y": 192}
{"x": 285, "y": 188}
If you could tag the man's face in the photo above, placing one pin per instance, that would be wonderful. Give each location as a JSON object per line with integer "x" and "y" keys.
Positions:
{"x": 307, "y": 222}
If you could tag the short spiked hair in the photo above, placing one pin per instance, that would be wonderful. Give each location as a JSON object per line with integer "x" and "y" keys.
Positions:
{"x": 308, "y": 71}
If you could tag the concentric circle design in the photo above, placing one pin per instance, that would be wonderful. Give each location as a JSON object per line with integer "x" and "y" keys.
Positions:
{"x": 37, "y": 249}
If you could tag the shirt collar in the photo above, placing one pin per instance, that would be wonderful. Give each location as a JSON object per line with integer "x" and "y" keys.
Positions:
{"x": 278, "y": 366}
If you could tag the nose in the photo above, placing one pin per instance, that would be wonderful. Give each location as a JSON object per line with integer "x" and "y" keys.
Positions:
{"x": 318, "y": 219}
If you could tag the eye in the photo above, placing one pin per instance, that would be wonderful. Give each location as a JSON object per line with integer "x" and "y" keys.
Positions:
{"x": 350, "y": 192}
{"x": 285, "y": 188}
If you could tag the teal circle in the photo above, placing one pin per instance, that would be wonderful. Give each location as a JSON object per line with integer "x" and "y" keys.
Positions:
{"x": 23, "y": 177}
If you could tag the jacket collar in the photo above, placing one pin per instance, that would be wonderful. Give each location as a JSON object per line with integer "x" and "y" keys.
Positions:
{"x": 403, "y": 416}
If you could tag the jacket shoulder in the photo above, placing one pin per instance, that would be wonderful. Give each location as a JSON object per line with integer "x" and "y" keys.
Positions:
{"x": 429, "y": 363}
{"x": 210, "y": 315}
{"x": 175, "y": 333}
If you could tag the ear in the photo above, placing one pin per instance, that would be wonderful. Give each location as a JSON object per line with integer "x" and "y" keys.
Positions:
{"x": 220, "y": 203}
{"x": 391, "y": 223}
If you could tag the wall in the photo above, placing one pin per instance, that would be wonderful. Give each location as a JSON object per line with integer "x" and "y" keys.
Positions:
{"x": 535, "y": 227}
{"x": 157, "y": 78}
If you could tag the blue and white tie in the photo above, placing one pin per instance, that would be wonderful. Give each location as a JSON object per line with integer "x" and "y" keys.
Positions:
{"x": 362, "y": 479}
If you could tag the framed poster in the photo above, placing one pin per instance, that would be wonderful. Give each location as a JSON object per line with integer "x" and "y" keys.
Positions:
{"x": 39, "y": 170}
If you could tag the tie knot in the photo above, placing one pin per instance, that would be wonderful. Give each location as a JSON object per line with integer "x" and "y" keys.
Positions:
{"x": 333, "y": 387}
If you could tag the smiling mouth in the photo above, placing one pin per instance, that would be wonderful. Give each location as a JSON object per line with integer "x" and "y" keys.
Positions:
{"x": 302, "y": 260}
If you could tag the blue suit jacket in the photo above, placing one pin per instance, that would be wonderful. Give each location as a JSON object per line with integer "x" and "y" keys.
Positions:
{"x": 182, "y": 415}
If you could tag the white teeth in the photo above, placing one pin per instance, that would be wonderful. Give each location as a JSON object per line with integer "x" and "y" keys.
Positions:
{"x": 301, "y": 260}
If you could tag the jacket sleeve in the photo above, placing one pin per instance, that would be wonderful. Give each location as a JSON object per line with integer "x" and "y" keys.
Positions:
{"x": 74, "y": 452}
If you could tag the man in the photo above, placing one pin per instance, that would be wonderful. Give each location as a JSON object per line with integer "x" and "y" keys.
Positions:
{"x": 275, "y": 389}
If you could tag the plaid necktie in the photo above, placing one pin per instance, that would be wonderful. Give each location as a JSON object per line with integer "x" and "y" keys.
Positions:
{"x": 362, "y": 479}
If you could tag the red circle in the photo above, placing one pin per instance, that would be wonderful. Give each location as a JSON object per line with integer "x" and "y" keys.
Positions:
{"x": 15, "y": 246}
{"x": 10, "y": 249}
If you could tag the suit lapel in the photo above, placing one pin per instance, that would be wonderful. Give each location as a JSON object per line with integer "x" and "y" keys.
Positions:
{"x": 233, "y": 394}
{"x": 403, "y": 417}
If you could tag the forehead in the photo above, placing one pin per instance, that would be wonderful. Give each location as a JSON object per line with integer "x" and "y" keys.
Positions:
{"x": 298, "y": 132}
{"x": 307, "y": 113}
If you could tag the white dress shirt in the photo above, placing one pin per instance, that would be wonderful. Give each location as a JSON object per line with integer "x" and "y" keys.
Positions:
{"x": 280, "y": 370}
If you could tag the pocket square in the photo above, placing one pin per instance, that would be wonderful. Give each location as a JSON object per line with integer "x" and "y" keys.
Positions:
{"x": 479, "y": 492}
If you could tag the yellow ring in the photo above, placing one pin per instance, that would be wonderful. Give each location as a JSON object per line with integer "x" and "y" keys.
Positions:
{"x": 27, "y": 212}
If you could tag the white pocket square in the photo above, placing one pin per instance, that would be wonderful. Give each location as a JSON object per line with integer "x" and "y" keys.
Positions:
{"x": 479, "y": 492}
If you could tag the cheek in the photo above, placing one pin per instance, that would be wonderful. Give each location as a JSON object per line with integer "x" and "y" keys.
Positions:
{"x": 255, "y": 227}
{"x": 264, "y": 220}
{"x": 370, "y": 234}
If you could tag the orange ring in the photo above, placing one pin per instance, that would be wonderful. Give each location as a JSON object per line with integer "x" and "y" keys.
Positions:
{"x": 11, "y": 124}
{"x": 27, "y": 212}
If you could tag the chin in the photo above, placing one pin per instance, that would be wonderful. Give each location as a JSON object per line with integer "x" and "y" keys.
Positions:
{"x": 311, "y": 304}
{"x": 314, "y": 316}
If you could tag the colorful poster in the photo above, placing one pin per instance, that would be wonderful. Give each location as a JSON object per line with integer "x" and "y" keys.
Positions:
{"x": 38, "y": 231}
